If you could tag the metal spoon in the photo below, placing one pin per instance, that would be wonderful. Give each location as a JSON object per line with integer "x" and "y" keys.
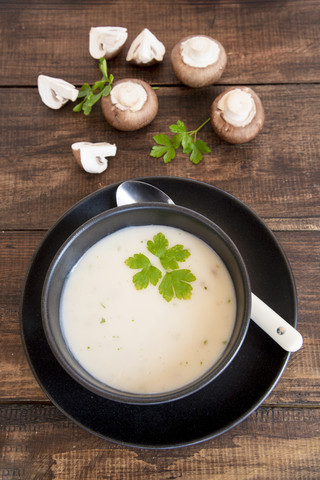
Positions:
{"x": 133, "y": 191}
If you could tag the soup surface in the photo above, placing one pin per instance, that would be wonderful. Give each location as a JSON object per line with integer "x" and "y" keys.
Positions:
{"x": 135, "y": 337}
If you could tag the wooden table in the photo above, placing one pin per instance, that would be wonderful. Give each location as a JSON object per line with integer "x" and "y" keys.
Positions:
{"x": 271, "y": 46}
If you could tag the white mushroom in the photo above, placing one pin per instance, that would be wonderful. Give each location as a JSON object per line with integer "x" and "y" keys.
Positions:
{"x": 92, "y": 156}
{"x": 237, "y": 114}
{"x": 106, "y": 41}
{"x": 198, "y": 60}
{"x": 55, "y": 92}
{"x": 132, "y": 104}
{"x": 146, "y": 49}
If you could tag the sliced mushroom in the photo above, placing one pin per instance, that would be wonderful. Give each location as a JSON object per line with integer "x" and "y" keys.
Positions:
{"x": 132, "y": 104}
{"x": 106, "y": 41}
{"x": 237, "y": 115}
{"x": 198, "y": 60}
{"x": 146, "y": 49}
{"x": 55, "y": 92}
{"x": 92, "y": 156}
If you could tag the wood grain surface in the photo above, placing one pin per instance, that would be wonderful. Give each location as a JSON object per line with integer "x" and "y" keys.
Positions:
{"x": 273, "y": 46}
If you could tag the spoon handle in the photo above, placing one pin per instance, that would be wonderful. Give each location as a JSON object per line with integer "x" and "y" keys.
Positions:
{"x": 275, "y": 326}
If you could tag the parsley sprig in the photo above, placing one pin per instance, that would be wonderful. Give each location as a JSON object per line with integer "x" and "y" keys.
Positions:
{"x": 175, "y": 282}
{"x": 166, "y": 147}
{"x": 92, "y": 95}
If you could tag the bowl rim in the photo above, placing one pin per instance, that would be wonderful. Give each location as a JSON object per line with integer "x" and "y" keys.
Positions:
{"x": 128, "y": 397}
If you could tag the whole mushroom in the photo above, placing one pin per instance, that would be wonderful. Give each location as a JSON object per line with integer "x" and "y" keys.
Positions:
{"x": 132, "y": 104}
{"x": 237, "y": 115}
{"x": 198, "y": 60}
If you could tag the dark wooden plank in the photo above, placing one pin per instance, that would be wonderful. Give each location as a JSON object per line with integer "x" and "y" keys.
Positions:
{"x": 40, "y": 443}
{"x": 299, "y": 384}
{"x": 266, "y": 42}
{"x": 277, "y": 174}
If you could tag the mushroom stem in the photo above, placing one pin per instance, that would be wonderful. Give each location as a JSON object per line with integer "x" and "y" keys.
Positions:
{"x": 129, "y": 96}
{"x": 200, "y": 52}
{"x": 238, "y": 107}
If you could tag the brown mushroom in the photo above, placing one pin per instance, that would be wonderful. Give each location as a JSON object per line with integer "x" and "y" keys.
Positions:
{"x": 237, "y": 115}
{"x": 132, "y": 104}
{"x": 198, "y": 60}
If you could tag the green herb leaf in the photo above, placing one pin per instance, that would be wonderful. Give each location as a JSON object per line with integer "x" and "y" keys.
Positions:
{"x": 92, "y": 95}
{"x": 169, "y": 257}
{"x": 86, "y": 108}
{"x": 106, "y": 90}
{"x": 202, "y": 146}
{"x": 158, "y": 150}
{"x": 159, "y": 245}
{"x": 176, "y": 140}
{"x": 177, "y": 284}
{"x": 174, "y": 255}
{"x": 164, "y": 148}
{"x": 188, "y": 140}
{"x": 84, "y": 90}
{"x": 187, "y": 143}
{"x": 162, "y": 140}
{"x": 148, "y": 273}
{"x": 78, "y": 107}
{"x": 103, "y": 66}
{"x": 178, "y": 128}
{"x": 196, "y": 155}
{"x": 171, "y": 153}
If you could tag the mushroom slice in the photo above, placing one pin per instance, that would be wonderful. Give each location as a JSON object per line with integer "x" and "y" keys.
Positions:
{"x": 198, "y": 60}
{"x": 92, "y": 156}
{"x": 237, "y": 115}
{"x": 55, "y": 92}
{"x": 132, "y": 104}
{"x": 106, "y": 41}
{"x": 146, "y": 49}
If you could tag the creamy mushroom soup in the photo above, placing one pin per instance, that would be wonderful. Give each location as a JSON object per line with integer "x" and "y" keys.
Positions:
{"x": 136, "y": 335}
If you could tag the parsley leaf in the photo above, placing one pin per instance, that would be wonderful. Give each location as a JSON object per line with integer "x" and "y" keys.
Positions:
{"x": 178, "y": 128}
{"x": 164, "y": 148}
{"x": 167, "y": 147}
{"x": 177, "y": 283}
{"x": 91, "y": 95}
{"x": 148, "y": 273}
{"x": 169, "y": 257}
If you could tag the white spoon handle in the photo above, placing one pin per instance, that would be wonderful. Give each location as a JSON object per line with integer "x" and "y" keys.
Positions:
{"x": 274, "y": 325}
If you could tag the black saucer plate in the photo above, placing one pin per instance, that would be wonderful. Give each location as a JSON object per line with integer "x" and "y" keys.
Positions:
{"x": 235, "y": 394}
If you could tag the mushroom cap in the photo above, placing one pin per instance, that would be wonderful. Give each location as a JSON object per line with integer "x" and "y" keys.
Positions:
{"x": 128, "y": 120}
{"x": 197, "y": 76}
{"x": 231, "y": 133}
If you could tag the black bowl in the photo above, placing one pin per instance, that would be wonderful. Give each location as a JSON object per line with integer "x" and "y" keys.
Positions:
{"x": 115, "y": 219}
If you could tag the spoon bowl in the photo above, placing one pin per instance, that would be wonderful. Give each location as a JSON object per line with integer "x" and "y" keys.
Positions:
{"x": 133, "y": 191}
